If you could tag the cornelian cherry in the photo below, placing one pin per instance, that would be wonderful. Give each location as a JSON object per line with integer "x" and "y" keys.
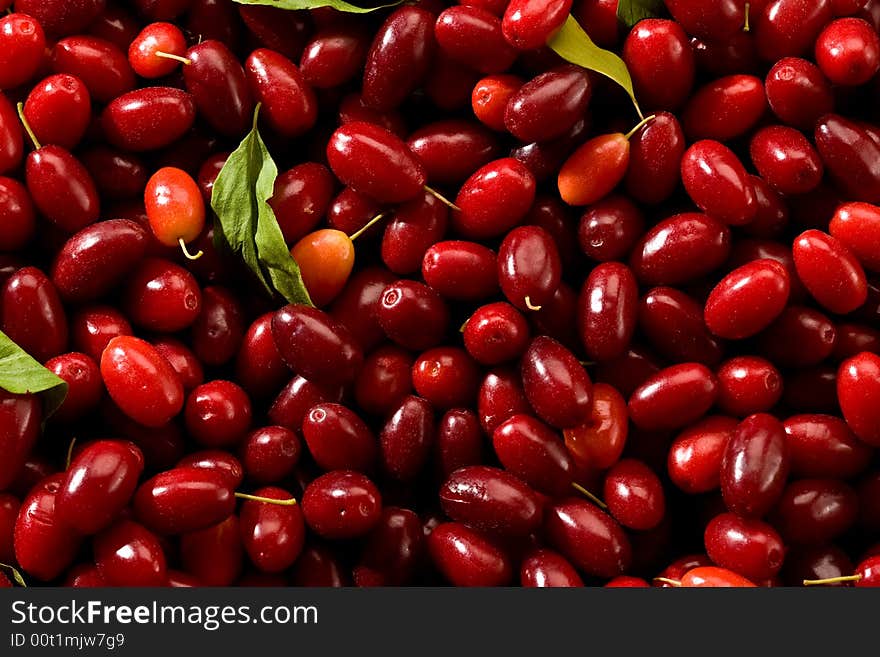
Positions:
{"x": 175, "y": 208}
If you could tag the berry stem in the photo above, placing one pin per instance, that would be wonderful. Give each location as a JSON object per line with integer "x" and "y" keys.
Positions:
{"x": 531, "y": 306}
{"x": 583, "y": 491}
{"x": 176, "y": 58}
{"x": 266, "y": 500}
{"x": 27, "y": 126}
{"x": 747, "y": 27}
{"x": 379, "y": 217}
{"x": 189, "y": 256}
{"x": 832, "y": 580}
{"x": 639, "y": 126}
{"x": 666, "y": 580}
{"x": 69, "y": 454}
{"x": 441, "y": 198}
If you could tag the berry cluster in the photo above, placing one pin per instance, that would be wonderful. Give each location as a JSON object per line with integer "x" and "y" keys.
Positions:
{"x": 553, "y": 338}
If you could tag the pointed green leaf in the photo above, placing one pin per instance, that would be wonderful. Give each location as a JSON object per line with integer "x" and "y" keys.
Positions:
{"x": 630, "y": 12}
{"x": 246, "y": 224}
{"x": 21, "y": 374}
{"x": 339, "y": 5}
{"x": 573, "y": 45}
{"x": 16, "y": 576}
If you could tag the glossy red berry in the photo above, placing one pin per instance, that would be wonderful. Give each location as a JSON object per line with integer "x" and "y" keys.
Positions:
{"x": 141, "y": 382}
{"x": 341, "y": 504}
{"x": 848, "y": 51}
{"x": 22, "y": 43}
{"x": 747, "y": 300}
{"x": 829, "y": 271}
{"x": 634, "y": 495}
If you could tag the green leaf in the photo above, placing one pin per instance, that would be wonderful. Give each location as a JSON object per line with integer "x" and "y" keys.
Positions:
{"x": 573, "y": 45}
{"x": 630, "y": 12}
{"x": 20, "y": 374}
{"x": 16, "y": 576}
{"x": 245, "y": 222}
{"x": 338, "y": 5}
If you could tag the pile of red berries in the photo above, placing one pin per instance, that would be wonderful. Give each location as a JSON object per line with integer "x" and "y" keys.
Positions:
{"x": 552, "y": 340}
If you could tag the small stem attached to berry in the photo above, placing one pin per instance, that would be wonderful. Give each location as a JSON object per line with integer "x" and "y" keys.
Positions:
{"x": 27, "y": 126}
{"x": 189, "y": 256}
{"x": 532, "y": 306}
{"x": 266, "y": 500}
{"x": 69, "y": 454}
{"x": 16, "y": 576}
{"x": 666, "y": 580}
{"x": 832, "y": 580}
{"x": 747, "y": 27}
{"x": 176, "y": 58}
{"x": 583, "y": 491}
{"x": 441, "y": 198}
{"x": 639, "y": 126}
{"x": 372, "y": 222}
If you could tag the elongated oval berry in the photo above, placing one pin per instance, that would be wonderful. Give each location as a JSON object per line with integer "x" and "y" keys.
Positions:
{"x": 712, "y": 20}
{"x": 749, "y": 547}
{"x": 747, "y": 300}
{"x": 141, "y": 381}
{"x": 94, "y": 260}
{"x": 829, "y": 271}
{"x": 546, "y": 568}
{"x": 850, "y": 156}
{"x": 547, "y": 106}
{"x": 62, "y": 188}
{"x": 375, "y": 162}
{"x": 673, "y": 324}
{"x": 22, "y": 47}
{"x": 661, "y": 62}
{"x": 100, "y": 64}
{"x": 452, "y": 150}
{"x": 473, "y": 36}
{"x": 289, "y": 104}
{"x": 99, "y": 484}
{"x": 857, "y": 227}
{"x": 594, "y": 169}
{"x": 492, "y": 500}
{"x": 31, "y": 314}
{"x": 858, "y": 391}
{"x": 128, "y": 554}
{"x": 20, "y": 418}
{"x": 556, "y": 384}
{"x": 529, "y": 24}
{"x": 724, "y": 109}
{"x": 694, "y": 460}
{"x": 148, "y": 119}
{"x": 824, "y": 446}
{"x": 680, "y": 249}
{"x": 535, "y": 453}
{"x": 272, "y": 534}
{"x": 407, "y": 438}
{"x": 789, "y": 28}
{"x": 341, "y": 504}
{"x": 529, "y": 267}
{"x": 673, "y": 397}
{"x": 467, "y": 558}
{"x": 214, "y": 554}
{"x": 656, "y": 150}
{"x": 219, "y": 88}
{"x": 786, "y": 160}
{"x": 461, "y": 270}
{"x": 589, "y": 537}
{"x": 608, "y": 308}
{"x": 338, "y": 439}
{"x": 315, "y": 345}
{"x": 634, "y": 495}
{"x": 755, "y": 466}
{"x": 717, "y": 183}
{"x": 399, "y": 57}
{"x": 45, "y": 546}
{"x": 325, "y": 258}
{"x": 58, "y": 110}
{"x": 494, "y": 199}
{"x": 184, "y": 499}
